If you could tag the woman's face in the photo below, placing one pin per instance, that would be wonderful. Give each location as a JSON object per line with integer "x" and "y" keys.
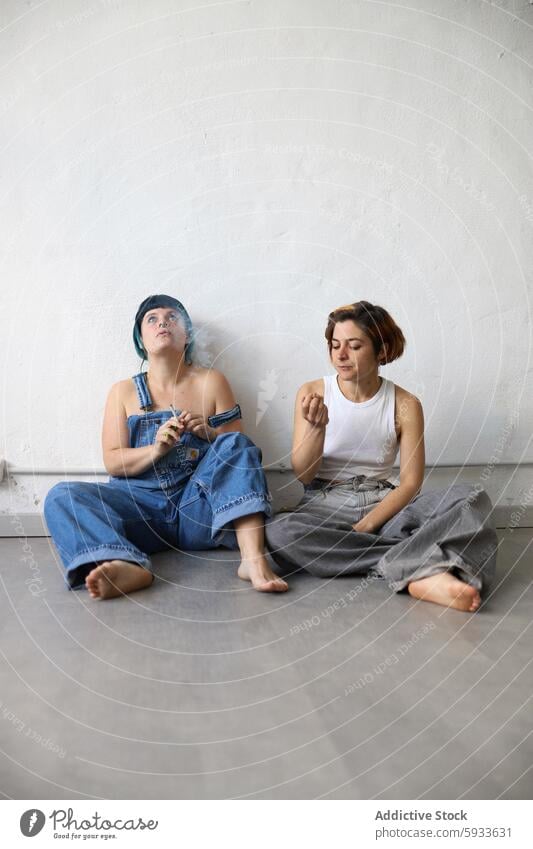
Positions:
{"x": 352, "y": 351}
{"x": 162, "y": 328}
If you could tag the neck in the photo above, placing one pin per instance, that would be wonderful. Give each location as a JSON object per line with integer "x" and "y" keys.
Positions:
{"x": 360, "y": 389}
{"x": 167, "y": 370}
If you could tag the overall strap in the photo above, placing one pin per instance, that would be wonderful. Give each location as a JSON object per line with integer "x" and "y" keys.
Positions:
{"x": 143, "y": 393}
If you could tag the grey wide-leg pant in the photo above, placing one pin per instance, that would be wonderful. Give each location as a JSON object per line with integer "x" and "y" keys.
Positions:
{"x": 441, "y": 530}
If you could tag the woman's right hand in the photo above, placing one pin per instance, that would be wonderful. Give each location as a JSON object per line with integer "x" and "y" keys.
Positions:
{"x": 168, "y": 435}
{"x": 314, "y": 410}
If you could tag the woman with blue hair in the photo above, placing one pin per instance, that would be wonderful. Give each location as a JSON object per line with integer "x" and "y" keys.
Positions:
{"x": 182, "y": 473}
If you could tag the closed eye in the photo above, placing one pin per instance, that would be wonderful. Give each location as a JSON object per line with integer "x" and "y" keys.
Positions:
{"x": 352, "y": 347}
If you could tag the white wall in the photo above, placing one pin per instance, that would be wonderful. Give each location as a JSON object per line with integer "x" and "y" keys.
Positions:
{"x": 266, "y": 162}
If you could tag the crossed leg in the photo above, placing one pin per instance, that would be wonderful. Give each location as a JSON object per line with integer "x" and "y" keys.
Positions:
{"x": 446, "y": 589}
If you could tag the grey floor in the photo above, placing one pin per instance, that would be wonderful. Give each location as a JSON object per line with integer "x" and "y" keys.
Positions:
{"x": 201, "y": 687}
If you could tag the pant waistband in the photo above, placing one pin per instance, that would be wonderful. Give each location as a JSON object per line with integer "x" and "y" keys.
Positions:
{"x": 355, "y": 482}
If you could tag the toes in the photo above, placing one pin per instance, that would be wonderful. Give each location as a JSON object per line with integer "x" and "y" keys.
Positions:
{"x": 475, "y": 602}
{"x": 91, "y": 582}
{"x": 271, "y": 585}
{"x": 276, "y": 585}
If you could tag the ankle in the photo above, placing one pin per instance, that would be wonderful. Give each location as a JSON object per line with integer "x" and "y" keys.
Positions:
{"x": 254, "y": 554}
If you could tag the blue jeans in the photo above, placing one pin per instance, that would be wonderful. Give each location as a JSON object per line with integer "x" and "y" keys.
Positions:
{"x": 124, "y": 520}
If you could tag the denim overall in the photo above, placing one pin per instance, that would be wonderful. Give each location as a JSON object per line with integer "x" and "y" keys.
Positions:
{"x": 187, "y": 500}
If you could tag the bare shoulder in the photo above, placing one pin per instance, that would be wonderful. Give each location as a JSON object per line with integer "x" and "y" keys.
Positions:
{"x": 121, "y": 397}
{"x": 215, "y": 386}
{"x": 122, "y": 390}
{"x": 407, "y": 405}
{"x": 217, "y": 390}
{"x": 406, "y": 396}
{"x": 211, "y": 376}
{"x": 316, "y": 386}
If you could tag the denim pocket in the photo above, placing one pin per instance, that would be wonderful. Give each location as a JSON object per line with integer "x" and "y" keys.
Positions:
{"x": 147, "y": 431}
{"x": 194, "y": 491}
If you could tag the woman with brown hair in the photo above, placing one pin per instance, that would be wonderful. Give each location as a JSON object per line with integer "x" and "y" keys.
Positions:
{"x": 353, "y": 519}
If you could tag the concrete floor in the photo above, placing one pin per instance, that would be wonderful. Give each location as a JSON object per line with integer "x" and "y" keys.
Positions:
{"x": 201, "y": 687}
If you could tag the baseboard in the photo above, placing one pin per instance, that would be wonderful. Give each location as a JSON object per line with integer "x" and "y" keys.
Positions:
{"x": 32, "y": 524}
{"x": 23, "y": 525}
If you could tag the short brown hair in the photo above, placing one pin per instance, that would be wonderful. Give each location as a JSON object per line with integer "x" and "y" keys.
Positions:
{"x": 376, "y": 323}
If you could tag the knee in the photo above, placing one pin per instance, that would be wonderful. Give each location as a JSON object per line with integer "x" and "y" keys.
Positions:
{"x": 238, "y": 443}
{"x": 280, "y": 531}
{"x": 473, "y": 501}
{"x": 462, "y": 490}
{"x": 233, "y": 440}
{"x": 471, "y": 495}
{"x": 62, "y": 496}
{"x": 57, "y": 495}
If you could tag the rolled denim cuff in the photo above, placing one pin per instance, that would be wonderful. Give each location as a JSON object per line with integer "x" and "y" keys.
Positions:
{"x": 246, "y": 505}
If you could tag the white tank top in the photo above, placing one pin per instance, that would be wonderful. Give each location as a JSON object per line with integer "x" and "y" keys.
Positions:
{"x": 360, "y": 437}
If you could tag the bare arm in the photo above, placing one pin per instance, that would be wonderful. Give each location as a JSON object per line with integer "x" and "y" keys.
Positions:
{"x": 412, "y": 463}
{"x": 217, "y": 395}
{"x": 119, "y": 459}
{"x": 224, "y": 400}
{"x": 310, "y": 422}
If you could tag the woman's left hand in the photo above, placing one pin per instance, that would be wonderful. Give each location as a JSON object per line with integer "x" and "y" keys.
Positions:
{"x": 197, "y": 424}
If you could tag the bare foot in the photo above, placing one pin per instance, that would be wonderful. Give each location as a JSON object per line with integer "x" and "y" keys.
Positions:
{"x": 444, "y": 588}
{"x": 116, "y": 577}
{"x": 257, "y": 570}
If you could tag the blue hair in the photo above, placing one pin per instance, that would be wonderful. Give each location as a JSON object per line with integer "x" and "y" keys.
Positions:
{"x": 152, "y": 302}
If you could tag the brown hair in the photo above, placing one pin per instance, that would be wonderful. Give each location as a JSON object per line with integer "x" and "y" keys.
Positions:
{"x": 376, "y": 323}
